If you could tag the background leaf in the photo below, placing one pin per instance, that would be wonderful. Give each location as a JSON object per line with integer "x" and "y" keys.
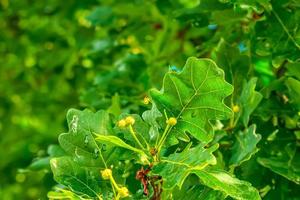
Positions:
{"x": 245, "y": 145}
{"x": 248, "y": 100}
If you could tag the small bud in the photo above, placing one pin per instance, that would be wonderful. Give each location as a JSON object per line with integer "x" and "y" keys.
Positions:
{"x": 121, "y": 123}
{"x": 123, "y": 192}
{"x": 285, "y": 99}
{"x": 146, "y": 100}
{"x": 144, "y": 159}
{"x": 172, "y": 121}
{"x": 235, "y": 108}
{"x": 153, "y": 151}
{"x": 106, "y": 174}
{"x": 129, "y": 120}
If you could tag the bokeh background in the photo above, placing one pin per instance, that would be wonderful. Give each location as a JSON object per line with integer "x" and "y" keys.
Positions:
{"x": 96, "y": 54}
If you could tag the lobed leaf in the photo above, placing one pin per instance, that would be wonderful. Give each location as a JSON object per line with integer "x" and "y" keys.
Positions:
{"x": 77, "y": 178}
{"x": 245, "y": 145}
{"x": 286, "y": 165}
{"x": 79, "y": 142}
{"x": 225, "y": 182}
{"x": 113, "y": 140}
{"x": 151, "y": 116}
{"x": 176, "y": 167}
{"x": 194, "y": 96}
{"x": 248, "y": 100}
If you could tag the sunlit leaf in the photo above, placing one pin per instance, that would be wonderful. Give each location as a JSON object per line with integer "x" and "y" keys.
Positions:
{"x": 76, "y": 177}
{"x": 194, "y": 96}
{"x": 175, "y": 168}
{"x": 225, "y": 182}
{"x": 79, "y": 141}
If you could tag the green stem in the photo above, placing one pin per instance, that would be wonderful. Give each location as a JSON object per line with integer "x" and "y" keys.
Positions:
{"x": 145, "y": 141}
{"x": 114, "y": 191}
{"x": 114, "y": 185}
{"x": 133, "y": 134}
{"x": 113, "y": 182}
{"x": 163, "y": 138}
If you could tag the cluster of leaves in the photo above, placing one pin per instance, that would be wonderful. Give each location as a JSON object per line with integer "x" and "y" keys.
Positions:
{"x": 110, "y": 54}
{"x": 174, "y": 140}
{"x": 174, "y": 153}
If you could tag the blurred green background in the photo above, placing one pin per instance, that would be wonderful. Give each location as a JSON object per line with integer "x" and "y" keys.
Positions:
{"x": 56, "y": 54}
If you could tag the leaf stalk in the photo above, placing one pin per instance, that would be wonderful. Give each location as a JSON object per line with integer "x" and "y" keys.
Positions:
{"x": 133, "y": 134}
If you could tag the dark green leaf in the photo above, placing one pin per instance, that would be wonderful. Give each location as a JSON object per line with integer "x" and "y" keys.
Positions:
{"x": 245, "y": 145}
{"x": 248, "y": 100}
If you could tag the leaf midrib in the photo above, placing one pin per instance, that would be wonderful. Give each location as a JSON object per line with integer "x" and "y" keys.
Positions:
{"x": 196, "y": 91}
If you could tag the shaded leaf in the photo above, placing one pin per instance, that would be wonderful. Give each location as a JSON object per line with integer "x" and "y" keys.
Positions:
{"x": 101, "y": 16}
{"x": 115, "y": 107}
{"x": 286, "y": 165}
{"x": 248, "y": 100}
{"x": 151, "y": 116}
{"x": 235, "y": 64}
{"x": 245, "y": 145}
{"x": 294, "y": 92}
{"x": 282, "y": 168}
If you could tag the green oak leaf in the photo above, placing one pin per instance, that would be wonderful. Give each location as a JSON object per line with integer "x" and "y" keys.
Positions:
{"x": 176, "y": 167}
{"x": 293, "y": 86}
{"x": 197, "y": 191}
{"x": 140, "y": 127}
{"x": 79, "y": 142}
{"x": 293, "y": 69}
{"x": 151, "y": 116}
{"x": 283, "y": 168}
{"x": 248, "y": 100}
{"x": 83, "y": 180}
{"x": 44, "y": 162}
{"x": 226, "y": 183}
{"x": 63, "y": 194}
{"x": 113, "y": 140}
{"x": 101, "y": 16}
{"x": 286, "y": 165}
{"x": 194, "y": 96}
{"x": 245, "y": 145}
{"x": 115, "y": 107}
{"x": 233, "y": 62}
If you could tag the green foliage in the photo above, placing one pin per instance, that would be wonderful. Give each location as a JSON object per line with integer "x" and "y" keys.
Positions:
{"x": 194, "y": 97}
{"x": 176, "y": 167}
{"x": 245, "y": 145}
{"x": 222, "y": 181}
{"x": 197, "y": 135}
